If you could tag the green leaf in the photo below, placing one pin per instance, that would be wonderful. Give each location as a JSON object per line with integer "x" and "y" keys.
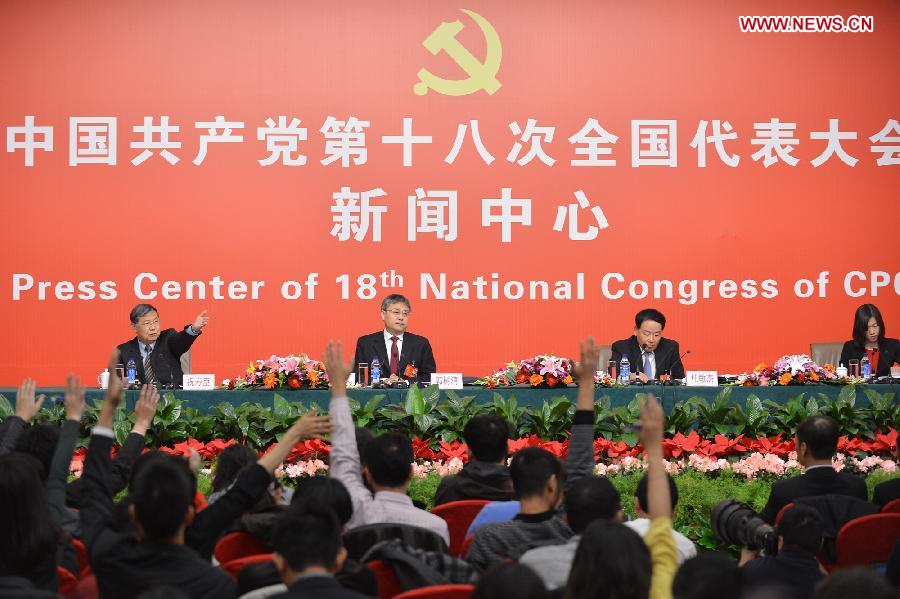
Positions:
{"x": 848, "y": 395}
{"x": 6, "y": 408}
{"x": 280, "y": 407}
{"x": 227, "y": 410}
{"x": 415, "y": 403}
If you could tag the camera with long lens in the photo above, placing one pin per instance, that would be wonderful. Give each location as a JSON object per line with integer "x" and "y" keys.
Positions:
{"x": 737, "y": 523}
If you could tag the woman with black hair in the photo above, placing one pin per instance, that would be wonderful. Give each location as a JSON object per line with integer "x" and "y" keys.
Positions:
{"x": 869, "y": 339}
{"x": 28, "y": 536}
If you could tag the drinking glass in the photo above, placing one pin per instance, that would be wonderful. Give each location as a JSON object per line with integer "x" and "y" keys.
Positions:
{"x": 854, "y": 368}
{"x": 362, "y": 374}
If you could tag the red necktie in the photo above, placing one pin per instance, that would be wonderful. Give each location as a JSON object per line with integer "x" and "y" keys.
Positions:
{"x": 395, "y": 356}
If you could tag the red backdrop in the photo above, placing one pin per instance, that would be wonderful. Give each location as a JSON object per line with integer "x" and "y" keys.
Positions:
{"x": 616, "y": 62}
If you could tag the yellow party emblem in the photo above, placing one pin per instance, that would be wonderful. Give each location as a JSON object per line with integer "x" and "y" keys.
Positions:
{"x": 481, "y": 75}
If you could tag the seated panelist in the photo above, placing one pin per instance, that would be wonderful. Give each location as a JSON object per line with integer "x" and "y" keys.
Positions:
{"x": 649, "y": 353}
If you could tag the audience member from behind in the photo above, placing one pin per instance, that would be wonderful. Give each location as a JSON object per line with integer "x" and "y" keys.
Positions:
{"x": 485, "y": 476}
{"x": 848, "y": 583}
{"x": 686, "y": 547}
{"x": 710, "y": 575}
{"x": 312, "y": 492}
{"x": 817, "y": 439}
{"x": 28, "y": 537}
{"x": 308, "y": 552}
{"x": 539, "y": 478}
{"x": 386, "y": 463}
{"x": 795, "y": 569}
{"x": 229, "y": 463}
{"x": 612, "y": 560}
{"x": 586, "y": 501}
{"x": 508, "y": 580}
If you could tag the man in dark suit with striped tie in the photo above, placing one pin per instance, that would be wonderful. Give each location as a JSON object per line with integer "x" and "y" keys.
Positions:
{"x": 156, "y": 352}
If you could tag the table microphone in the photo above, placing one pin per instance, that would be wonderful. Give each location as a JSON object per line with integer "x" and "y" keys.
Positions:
{"x": 671, "y": 380}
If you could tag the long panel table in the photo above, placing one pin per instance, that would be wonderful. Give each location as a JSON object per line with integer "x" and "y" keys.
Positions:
{"x": 206, "y": 401}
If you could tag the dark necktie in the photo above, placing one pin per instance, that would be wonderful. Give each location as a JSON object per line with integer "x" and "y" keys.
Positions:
{"x": 395, "y": 356}
{"x": 149, "y": 375}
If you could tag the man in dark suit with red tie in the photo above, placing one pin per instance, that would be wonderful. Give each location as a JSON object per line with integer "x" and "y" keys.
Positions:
{"x": 402, "y": 355}
{"x": 157, "y": 352}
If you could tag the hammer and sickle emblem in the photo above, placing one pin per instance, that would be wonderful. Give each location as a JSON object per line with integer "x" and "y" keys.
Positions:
{"x": 480, "y": 75}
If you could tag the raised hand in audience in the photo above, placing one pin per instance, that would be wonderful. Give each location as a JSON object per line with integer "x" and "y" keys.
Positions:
{"x": 74, "y": 400}
{"x": 338, "y": 370}
{"x": 145, "y": 410}
{"x": 651, "y": 436}
{"x": 27, "y": 405}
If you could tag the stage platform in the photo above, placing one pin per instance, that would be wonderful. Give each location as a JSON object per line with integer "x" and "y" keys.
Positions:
{"x": 205, "y": 401}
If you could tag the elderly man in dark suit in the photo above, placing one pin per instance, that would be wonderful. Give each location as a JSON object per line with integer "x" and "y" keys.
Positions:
{"x": 651, "y": 355}
{"x": 402, "y": 355}
{"x": 157, "y": 352}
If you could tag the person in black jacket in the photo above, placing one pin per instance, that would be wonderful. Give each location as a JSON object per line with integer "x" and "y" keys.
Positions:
{"x": 794, "y": 571}
{"x": 162, "y": 510}
{"x": 650, "y": 355}
{"x": 157, "y": 352}
{"x": 817, "y": 439}
{"x": 402, "y": 355}
{"x": 486, "y": 475}
{"x": 308, "y": 552}
{"x": 869, "y": 339}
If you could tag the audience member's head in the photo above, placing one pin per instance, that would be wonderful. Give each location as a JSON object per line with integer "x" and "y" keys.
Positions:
{"x": 535, "y": 472}
{"x": 640, "y": 495}
{"x": 163, "y": 592}
{"x": 507, "y": 580}
{"x": 611, "y": 561}
{"x": 39, "y": 441}
{"x": 324, "y": 490}
{"x": 27, "y": 535}
{"x": 150, "y": 457}
{"x": 711, "y": 575}
{"x": 817, "y": 439}
{"x": 162, "y": 495}
{"x": 363, "y": 436}
{"x": 800, "y": 529}
{"x": 486, "y": 436}
{"x": 388, "y": 461}
{"x": 592, "y": 498}
{"x": 854, "y": 582}
{"x": 308, "y": 541}
{"x": 229, "y": 463}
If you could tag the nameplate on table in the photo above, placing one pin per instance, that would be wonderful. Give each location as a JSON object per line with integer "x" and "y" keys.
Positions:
{"x": 447, "y": 380}
{"x": 199, "y": 382}
{"x": 702, "y": 378}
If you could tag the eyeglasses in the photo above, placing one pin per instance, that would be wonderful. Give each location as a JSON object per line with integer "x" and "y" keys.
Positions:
{"x": 403, "y": 313}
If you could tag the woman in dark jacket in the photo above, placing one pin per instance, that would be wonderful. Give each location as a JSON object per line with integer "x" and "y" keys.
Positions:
{"x": 869, "y": 339}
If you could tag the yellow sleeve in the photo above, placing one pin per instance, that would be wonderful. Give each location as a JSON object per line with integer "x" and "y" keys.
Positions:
{"x": 663, "y": 556}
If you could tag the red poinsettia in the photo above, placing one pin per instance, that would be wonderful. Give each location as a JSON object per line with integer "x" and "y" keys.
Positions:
{"x": 679, "y": 444}
{"x": 422, "y": 449}
{"x": 448, "y": 451}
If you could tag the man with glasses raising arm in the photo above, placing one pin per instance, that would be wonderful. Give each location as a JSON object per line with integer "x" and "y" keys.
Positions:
{"x": 402, "y": 355}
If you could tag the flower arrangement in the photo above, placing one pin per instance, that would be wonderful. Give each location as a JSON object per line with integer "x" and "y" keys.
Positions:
{"x": 541, "y": 371}
{"x": 798, "y": 369}
{"x": 290, "y": 372}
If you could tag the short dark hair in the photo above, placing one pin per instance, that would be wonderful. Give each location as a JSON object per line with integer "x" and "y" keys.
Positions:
{"x": 39, "y": 441}
{"x": 861, "y": 323}
{"x": 641, "y": 492}
{"x": 801, "y": 528}
{"x": 649, "y": 314}
{"x": 309, "y": 537}
{"x": 149, "y": 457}
{"x": 389, "y": 459}
{"x": 531, "y": 468}
{"x": 230, "y": 462}
{"x": 162, "y": 496}
{"x": 395, "y": 298}
{"x": 859, "y": 581}
{"x": 324, "y": 490}
{"x": 511, "y": 581}
{"x": 591, "y": 498}
{"x": 820, "y": 433}
{"x": 611, "y": 561}
{"x": 709, "y": 575}
{"x": 140, "y": 311}
{"x": 486, "y": 436}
